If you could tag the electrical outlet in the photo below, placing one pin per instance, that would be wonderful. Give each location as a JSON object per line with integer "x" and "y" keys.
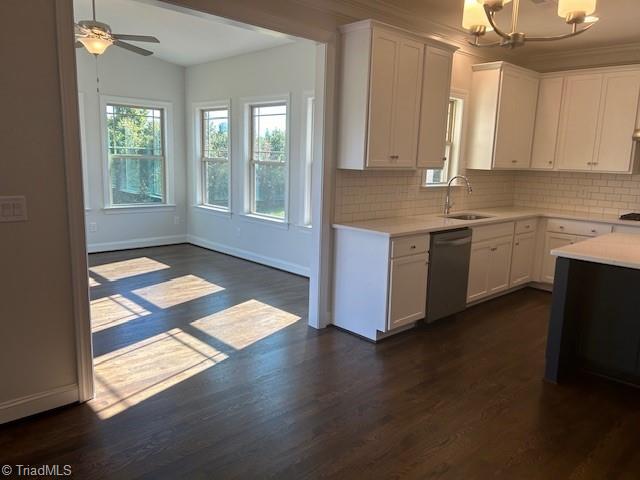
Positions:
{"x": 92, "y": 227}
{"x": 176, "y": 220}
{"x": 13, "y": 209}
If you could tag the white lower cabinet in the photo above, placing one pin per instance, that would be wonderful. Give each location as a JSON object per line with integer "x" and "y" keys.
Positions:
{"x": 380, "y": 283}
{"x": 552, "y": 241}
{"x": 407, "y": 290}
{"x": 524, "y": 250}
{"x": 489, "y": 267}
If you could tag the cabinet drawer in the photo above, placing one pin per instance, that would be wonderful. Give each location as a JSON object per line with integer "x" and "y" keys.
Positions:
{"x": 526, "y": 226}
{"x": 574, "y": 227}
{"x": 492, "y": 231}
{"x": 403, "y": 246}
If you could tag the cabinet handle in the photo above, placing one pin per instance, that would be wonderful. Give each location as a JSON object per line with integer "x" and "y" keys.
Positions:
{"x": 550, "y": 162}
{"x": 394, "y": 156}
{"x": 593, "y": 231}
{"x": 517, "y": 244}
{"x": 527, "y": 226}
{"x": 412, "y": 247}
{"x": 514, "y": 161}
{"x": 561, "y": 227}
{"x": 444, "y": 159}
{"x": 494, "y": 249}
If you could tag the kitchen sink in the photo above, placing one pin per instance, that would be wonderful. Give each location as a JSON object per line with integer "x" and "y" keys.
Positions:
{"x": 466, "y": 216}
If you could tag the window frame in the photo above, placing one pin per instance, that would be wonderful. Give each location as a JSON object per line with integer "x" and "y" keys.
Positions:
{"x": 168, "y": 160}
{"x": 453, "y": 146}
{"x": 199, "y": 159}
{"x": 249, "y": 105}
{"x": 307, "y": 154}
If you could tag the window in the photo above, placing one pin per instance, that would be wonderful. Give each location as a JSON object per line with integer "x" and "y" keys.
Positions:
{"x": 136, "y": 154}
{"x": 215, "y": 168}
{"x": 440, "y": 176}
{"x": 308, "y": 157}
{"x": 269, "y": 160}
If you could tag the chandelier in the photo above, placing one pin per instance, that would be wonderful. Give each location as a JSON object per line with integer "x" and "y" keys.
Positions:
{"x": 479, "y": 18}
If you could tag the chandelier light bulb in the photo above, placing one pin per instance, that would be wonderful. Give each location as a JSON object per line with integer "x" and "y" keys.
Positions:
{"x": 568, "y": 9}
{"x": 474, "y": 17}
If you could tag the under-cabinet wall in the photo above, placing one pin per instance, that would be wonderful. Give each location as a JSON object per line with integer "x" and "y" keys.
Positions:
{"x": 604, "y": 193}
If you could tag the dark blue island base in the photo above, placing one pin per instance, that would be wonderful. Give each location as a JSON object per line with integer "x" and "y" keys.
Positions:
{"x": 595, "y": 322}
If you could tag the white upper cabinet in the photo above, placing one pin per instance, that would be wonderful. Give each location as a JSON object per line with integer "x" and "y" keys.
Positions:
{"x": 579, "y": 122}
{"x": 503, "y": 111}
{"x": 618, "y": 120}
{"x": 599, "y": 115}
{"x": 545, "y": 133}
{"x": 436, "y": 87}
{"x": 381, "y": 105}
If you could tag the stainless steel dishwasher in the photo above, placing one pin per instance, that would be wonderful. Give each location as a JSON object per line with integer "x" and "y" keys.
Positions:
{"x": 449, "y": 255}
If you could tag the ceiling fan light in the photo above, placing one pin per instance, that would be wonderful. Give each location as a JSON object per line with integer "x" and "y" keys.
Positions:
{"x": 474, "y": 17}
{"x": 95, "y": 45}
{"x": 576, "y": 8}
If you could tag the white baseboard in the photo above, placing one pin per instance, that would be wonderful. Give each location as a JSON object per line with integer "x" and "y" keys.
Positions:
{"x": 38, "y": 402}
{"x": 136, "y": 243}
{"x": 251, "y": 256}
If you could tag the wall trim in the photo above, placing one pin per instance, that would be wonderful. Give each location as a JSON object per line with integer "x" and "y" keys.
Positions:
{"x": 70, "y": 121}
{"x": 38, "y": 402}
{"x": 136, "y": 243}
{"x": 251, "y": 256}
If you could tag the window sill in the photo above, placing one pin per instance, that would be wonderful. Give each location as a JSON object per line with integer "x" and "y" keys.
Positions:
{"x": 165, "y": 207}
{"x": 272, "y": 222}
{"x": 213, "y": 210}
{"x": 438, "y": 185}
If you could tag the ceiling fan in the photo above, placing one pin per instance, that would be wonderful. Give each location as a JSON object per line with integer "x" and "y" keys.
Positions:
{"x": 96, "y": 37}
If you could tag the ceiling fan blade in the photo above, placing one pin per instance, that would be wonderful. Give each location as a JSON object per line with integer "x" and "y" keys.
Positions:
{"x": 132, "y": 48}
{"x": 135, "y": 38}
{"x": 78, "y": 44}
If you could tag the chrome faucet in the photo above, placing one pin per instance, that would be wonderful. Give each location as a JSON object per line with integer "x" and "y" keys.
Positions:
{"x": 447, "y": 201}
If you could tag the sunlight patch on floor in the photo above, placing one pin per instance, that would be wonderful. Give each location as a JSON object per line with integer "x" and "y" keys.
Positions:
{"x": 93, "y": 283}
{"x": 128, "y": 268}
{"x": 133, "y": 374}
{"x": 114, "y": 310}
{"x": 177, "y": 291}
{"x": 246, "y": 323}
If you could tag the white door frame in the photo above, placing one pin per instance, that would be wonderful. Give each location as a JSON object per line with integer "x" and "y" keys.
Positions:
{"x": 322, "y": 177}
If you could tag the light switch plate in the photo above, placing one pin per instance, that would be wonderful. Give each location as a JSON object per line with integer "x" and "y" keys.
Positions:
{"x": 13, "y": 209}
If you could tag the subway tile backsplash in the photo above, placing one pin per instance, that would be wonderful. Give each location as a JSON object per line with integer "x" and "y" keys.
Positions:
{"x": 377, "y": 194}
{"x": 374, "y": 194}
{"x": 600, "y": 193}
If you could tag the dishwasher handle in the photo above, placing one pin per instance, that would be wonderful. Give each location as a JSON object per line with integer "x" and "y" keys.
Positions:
{"x": 452, "y": 243}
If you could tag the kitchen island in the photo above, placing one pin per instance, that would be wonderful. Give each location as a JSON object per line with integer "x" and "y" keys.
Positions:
{"x": 595, "y": 314}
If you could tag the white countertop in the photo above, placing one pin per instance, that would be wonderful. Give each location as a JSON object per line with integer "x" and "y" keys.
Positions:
{"x": 395, "y": 227}
{"x": 619, "y": 249}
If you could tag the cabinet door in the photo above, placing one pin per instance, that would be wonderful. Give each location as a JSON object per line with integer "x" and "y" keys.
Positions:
{"x": 436, "y": 90}
{"x": 545, "y": 134}
{"x": 618, "y": 116}
{"x": 579, "y": 122}
{"x": 552, "y": 241}
{"x": 524, "y": 248}
{"x": 479, "y": 265}
{"x": 500, "y": 264}
{"x": 407, "y": 290}
{"x": 384, "y": 56}
{"x": 516, "y": 118}
{"x": 408, "y": 92}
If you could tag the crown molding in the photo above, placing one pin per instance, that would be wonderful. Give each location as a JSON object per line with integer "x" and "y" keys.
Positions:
{"x": 612, "y": 55}
{"x": 384, "y": 11}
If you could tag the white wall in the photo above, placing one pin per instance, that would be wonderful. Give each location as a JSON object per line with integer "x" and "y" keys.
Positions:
{"x": 37, "y": 335}
{"x": 289, "y": 69}
{"x": 126, "y": 74}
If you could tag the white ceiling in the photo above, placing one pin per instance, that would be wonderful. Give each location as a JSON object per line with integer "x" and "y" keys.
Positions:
{"x": 619, "y": 21}
{"x": 186, "y": 38}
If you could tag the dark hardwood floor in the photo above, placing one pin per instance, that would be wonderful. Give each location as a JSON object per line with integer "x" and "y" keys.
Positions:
{"x": 205, "y": 368}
